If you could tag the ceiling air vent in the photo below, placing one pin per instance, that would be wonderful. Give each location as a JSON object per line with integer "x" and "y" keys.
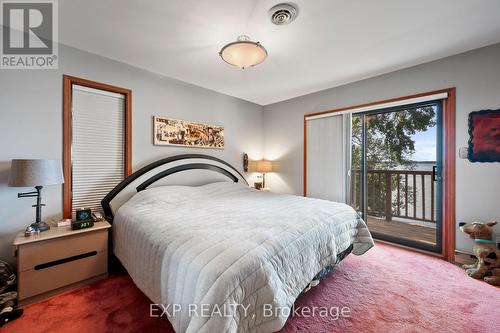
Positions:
{"x": 283, "y": 13}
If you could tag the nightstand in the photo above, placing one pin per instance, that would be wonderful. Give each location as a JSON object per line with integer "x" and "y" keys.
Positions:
{"x": 60, "y": 259}
{"x": 266, "y": 189}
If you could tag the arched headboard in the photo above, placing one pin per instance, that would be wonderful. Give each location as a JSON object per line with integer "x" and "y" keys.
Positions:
{"x": 198, "y": 169}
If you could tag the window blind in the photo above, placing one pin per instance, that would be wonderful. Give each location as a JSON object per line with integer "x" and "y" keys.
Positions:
{"x": 98, "y": 141}
{"x": 328, "y": 157}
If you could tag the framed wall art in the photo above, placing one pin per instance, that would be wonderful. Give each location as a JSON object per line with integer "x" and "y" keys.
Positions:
{"x": 484, "y": 132}
{"x": 174, "y": 132}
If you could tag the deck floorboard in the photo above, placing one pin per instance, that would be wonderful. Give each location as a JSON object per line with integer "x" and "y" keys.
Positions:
{"x": 414, "y": 232}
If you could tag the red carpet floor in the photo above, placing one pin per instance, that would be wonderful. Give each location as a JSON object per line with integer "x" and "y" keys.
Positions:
{"x": 387, "y": 290}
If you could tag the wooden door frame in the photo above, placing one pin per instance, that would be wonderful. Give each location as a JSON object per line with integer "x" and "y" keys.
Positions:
{"x": 68, "y": 82}
{"x": 448, "y": 174}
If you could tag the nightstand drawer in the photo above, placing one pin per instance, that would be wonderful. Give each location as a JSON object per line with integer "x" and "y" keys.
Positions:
{"x": 34, "y": 282}
{"x": 33, "y": 254}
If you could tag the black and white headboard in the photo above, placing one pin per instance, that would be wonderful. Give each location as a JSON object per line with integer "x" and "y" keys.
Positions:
{"x": 187, "y": 169}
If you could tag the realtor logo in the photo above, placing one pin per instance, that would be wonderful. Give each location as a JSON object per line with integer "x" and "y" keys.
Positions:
{"x": 29, "y": 35}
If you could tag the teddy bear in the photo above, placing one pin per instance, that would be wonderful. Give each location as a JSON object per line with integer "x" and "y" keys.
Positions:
{"x": 486, "y": 251}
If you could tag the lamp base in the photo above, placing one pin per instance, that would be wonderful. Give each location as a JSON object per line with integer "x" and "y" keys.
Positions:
{"x": 42, "y": 226}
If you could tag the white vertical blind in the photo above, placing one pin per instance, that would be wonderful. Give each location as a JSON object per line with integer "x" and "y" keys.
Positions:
{"x": 98, "y": 141}
{"x": 328, "y": 157}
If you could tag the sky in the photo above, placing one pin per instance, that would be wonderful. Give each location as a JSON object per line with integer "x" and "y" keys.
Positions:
{"x": 425, "y": 145}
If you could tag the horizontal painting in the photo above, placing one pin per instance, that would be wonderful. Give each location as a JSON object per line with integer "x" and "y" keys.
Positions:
{"x": 484, "y": 131}
{"x": 174, "y": 132}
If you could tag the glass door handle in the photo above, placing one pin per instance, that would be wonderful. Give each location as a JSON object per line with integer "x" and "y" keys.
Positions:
{"x": 434, "y": 173}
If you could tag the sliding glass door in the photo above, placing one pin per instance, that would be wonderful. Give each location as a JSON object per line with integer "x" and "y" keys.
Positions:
{"x": 395, "y": 181}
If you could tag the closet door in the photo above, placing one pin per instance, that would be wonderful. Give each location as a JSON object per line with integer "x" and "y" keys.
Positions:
{"x": 328, "y": 141}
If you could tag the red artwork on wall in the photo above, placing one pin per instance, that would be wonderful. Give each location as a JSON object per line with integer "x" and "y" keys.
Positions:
{"x": 484, "y": 131}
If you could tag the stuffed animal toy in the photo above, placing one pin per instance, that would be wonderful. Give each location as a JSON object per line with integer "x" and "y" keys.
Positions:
{"x": 486, "y": 251}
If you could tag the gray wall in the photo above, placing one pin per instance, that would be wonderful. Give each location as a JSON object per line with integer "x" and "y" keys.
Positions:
{"x": 31, "y": 124}
{"x": 475, "y": 74}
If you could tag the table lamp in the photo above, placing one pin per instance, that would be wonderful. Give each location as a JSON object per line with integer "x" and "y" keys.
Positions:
{"x": 35, "y": 172}
{"x": 264, "y": 167}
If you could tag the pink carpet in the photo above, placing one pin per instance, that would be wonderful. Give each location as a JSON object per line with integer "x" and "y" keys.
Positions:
{"x": 387, "y": 290}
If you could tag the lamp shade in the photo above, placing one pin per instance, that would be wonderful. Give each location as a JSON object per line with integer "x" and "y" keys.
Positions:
{"x": 264, "y": 166}
{"x": 243, "y": 53}
{"x": 35, "y": 172}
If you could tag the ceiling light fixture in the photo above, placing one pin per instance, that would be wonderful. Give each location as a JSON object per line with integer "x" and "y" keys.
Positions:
{"x": 243, "y": 53}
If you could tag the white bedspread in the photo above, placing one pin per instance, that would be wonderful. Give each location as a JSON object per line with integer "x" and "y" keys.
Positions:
{"x": 230, "y": 250}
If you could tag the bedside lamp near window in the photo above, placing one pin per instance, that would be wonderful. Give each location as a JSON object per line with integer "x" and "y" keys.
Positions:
{"x": 264, "y": 167}
{"x": 32, "y": 172}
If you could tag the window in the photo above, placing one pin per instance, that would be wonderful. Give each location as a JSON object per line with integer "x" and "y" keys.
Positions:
{"x": 406, "y": 200}
{"x": 97, "y": 142}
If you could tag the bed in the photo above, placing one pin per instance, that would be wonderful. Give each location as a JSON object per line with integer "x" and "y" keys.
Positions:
{"x": 220, "y": 256}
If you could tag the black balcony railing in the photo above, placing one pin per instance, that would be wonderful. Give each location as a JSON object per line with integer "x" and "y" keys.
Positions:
{"x": 405, "y": 194}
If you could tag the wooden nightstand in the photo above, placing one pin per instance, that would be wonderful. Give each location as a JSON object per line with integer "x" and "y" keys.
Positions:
{"x": 60, "y": 259}
{"x": 265, "y": 189}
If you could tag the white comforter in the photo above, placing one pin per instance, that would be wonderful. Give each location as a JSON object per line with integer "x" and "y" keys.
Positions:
{"x": 222, "y": 254}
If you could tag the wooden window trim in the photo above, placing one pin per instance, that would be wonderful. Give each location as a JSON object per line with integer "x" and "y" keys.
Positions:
{"x": 448, "y": 213}
{"x": 68, "y": 82}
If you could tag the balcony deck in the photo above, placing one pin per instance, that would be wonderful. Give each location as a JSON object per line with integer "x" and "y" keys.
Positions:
{"x": 407, "y": 230}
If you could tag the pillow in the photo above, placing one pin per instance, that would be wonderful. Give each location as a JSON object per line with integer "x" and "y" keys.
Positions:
{"x": 166, "y": 194}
